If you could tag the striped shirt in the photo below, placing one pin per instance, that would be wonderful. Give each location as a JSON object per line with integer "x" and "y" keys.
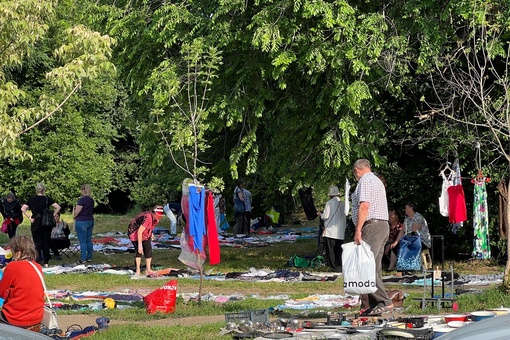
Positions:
{"x": 370, "y": 189}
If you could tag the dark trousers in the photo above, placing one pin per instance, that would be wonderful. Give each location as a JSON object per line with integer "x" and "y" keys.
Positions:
{"x": 242, "y": 225}
{"x": 12, "y": 229}
{"x": 57, "y": 244}
{"x": 334, "y": 253}
{"x": 42, "y": 239}
{"x": 376, "y": 234}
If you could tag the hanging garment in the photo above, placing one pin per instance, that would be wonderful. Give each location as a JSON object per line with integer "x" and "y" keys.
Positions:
{"x": 481, "y": 247}
{"x": 443, "y": 199}
{"x": 212, "y": 231}
{"x": 503, "y": 197}
{"x": 347, "y": 200}
{"x": 307, "y": 202}
{"x": 197, "y": 215}
{"x": 457, "y": 212}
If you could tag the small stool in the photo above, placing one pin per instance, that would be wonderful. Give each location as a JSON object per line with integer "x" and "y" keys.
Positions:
{"x": 426, "y": 259}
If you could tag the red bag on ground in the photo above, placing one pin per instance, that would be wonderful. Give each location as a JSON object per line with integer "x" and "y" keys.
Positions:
{"x": 162, "y": 299}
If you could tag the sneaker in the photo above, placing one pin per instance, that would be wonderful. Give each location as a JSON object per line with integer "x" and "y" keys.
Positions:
{"x": 81, "y": 262}
{"x": 89, "y": 260}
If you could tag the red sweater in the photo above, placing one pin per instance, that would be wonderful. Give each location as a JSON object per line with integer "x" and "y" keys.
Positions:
{"x": 22, "y": 290}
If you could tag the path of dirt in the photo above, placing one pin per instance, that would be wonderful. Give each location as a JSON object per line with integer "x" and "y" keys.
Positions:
{"x": 83, "y": 320}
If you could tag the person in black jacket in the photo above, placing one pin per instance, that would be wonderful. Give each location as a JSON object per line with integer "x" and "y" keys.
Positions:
{"x": 10, "y": 208}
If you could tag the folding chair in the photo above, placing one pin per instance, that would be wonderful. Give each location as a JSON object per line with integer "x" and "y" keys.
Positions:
{"x": 72, "y": 251}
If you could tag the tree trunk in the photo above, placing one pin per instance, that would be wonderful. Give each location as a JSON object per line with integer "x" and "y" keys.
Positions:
{"x": 506, "y": 284}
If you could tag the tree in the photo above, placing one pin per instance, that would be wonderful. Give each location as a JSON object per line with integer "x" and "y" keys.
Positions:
{"x": 83, "y": 55}
{"x": 472, "y": 81}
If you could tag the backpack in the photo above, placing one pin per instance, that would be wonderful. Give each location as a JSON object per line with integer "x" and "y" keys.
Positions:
{"x": 136, "y": 223}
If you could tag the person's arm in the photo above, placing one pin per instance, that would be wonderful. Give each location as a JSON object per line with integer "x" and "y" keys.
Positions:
{"x": 399, "y": 236}
{"x": 6, "y": 282}
{"x": 362, "y": 218}
{"x": 77, "y": 211}
{"x": 57, "y": 209}
{"x": 416, "y": 227}
{"x": 66, "y": 229}
{"x": 139, "y": 238}
{"x": 240, "y": 194}
{"x": 24, "y": 209}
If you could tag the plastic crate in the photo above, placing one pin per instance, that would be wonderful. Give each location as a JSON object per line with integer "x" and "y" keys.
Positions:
{"x": 258, "y": 315}
{"x": 419, "y": 334}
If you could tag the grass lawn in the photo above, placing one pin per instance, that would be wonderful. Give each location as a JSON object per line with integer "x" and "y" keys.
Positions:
{"x": 232, "y": 259}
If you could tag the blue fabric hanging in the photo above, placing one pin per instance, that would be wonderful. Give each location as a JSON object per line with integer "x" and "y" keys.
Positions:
{"x": 197, "y": 215}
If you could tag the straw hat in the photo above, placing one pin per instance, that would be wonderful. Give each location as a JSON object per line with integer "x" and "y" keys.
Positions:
{"x": 333, "y": 191}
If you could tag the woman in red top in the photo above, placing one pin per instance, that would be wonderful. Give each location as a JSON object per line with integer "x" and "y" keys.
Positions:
{"x": 21, "y": 287}
{"x": 140, "y": 234}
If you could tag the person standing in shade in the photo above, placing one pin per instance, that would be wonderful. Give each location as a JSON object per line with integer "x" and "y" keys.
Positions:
{"x": 173, "y": 211}
{"x": 11, "y": 212}
{"x": 241, "y": 226}
{"x": 334, "y": 229}
{"x": 83, "y": 215}
{"x": 370, "y": 217}
{"x": 40, "y": 234}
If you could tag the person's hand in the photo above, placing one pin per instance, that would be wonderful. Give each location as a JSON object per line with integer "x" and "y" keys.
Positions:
{"x": 394, "y": 244}
{"x": 357, "y": 237}
{"x": 319, "y": 213}
{"x": 140, "y": 249}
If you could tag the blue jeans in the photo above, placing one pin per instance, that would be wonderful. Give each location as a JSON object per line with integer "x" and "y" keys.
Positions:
{"x": 84, "y": 232}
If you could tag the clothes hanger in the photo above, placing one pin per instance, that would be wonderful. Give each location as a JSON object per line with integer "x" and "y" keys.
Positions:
{"x": 480, "y": 178}
{"x": 446, "y": 168}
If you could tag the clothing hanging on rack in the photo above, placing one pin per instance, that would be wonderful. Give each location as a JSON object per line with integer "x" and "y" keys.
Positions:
{"x": 212, "y": 231}
{"x": 443, "y": 198}
{"x": 457, "y": 212}
{"x": 307, "y": 201}
{"x": 481, "y": 246}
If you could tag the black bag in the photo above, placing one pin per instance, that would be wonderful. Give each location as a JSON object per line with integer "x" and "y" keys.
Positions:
{"x": 48, "y": 220}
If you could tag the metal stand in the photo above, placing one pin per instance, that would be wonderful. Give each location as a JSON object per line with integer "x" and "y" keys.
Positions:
{"x": 441, "y": 301}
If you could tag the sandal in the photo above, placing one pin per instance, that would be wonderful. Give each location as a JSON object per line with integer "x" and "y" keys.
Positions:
{"x": 381, "y": 310}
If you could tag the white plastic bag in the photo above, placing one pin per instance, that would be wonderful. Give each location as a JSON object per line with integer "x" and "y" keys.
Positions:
{"x": 358, "y": 268}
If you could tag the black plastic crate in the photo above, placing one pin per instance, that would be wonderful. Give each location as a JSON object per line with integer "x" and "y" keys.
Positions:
{"x": 419, "y": 333}
{"x": 258, "y": 315}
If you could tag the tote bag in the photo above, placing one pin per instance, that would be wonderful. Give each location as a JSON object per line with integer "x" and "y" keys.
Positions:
{"x": 358, "y": 268}
{"x": 49, "y": 320}
{"x": 409, "y": 253}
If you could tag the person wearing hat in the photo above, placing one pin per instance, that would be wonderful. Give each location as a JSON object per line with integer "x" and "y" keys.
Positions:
{"x": 140, "y": 234}
{"x": 334, "y": 228}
